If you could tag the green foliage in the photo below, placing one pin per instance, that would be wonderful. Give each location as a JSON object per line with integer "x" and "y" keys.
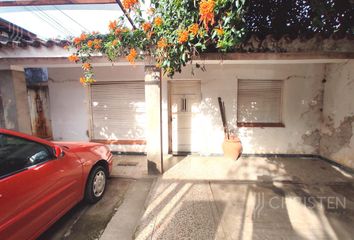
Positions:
{"x": 177, "y": 17}
{"x": 187, "y": 28}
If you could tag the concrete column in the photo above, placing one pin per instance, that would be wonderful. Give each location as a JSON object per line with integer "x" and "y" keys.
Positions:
{"x": 154, "y": 120}
{"x": 14, "y": 101}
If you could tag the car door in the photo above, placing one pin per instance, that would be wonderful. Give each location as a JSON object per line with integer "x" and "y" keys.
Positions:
{"x": 35, "y": 187}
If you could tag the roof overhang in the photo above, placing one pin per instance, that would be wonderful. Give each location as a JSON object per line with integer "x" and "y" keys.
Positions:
{"x": 274, "y": 58}
{"x": 56, "y": 57}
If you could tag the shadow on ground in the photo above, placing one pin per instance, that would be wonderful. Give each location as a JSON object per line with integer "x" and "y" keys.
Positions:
{"x": 85, "y": 221}
{"x": 253, "y": 198}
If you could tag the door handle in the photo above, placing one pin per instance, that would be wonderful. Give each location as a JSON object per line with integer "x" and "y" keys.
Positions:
{"x": 184, "y": 105}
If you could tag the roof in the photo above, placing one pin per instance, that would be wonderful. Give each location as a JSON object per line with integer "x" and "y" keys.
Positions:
{"x": 36, "y": 43}
{"x": 11, "y": 32}
{"x": 286, "y": 43}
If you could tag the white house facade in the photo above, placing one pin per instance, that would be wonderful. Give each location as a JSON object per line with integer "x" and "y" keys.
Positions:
{"x": 276, "y": 103}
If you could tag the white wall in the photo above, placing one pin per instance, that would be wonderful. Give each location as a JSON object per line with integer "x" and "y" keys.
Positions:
{"x": 68, "y": 105}
{"x": 337, "y": 132}
{"x": 302, "y": 102}
{"x": 69, "y": 100}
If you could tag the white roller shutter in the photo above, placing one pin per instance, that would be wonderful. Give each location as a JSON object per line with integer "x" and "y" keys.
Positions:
{"x": 259, "y": 101}
{"x": 118, "y": 111}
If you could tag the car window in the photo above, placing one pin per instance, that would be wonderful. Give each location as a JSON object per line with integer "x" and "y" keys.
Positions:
{"x": 17, "y": 154}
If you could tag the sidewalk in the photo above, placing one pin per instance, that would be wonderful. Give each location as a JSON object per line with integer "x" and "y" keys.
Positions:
{"x": 124, "y": 221}
{"x": 252, "y": 198}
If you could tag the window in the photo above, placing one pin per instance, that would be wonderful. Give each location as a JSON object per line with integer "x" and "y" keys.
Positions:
{"x": 17, "y": 154}
{"x": 259, "y": 103}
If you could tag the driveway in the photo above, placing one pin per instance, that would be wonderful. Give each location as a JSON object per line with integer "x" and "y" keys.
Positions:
{"x": 252, "y": 198}
{"x": 85, "y": 221}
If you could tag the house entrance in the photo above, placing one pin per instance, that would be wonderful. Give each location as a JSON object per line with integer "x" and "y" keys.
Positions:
{"x": 185, "y": 97}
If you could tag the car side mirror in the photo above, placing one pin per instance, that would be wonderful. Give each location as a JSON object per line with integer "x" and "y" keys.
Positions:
{"x": 58, "y": 151}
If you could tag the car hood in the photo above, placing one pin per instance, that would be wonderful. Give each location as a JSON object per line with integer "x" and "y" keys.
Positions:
{"x": 76, "y": 145}
{"x": 86, "y": 150}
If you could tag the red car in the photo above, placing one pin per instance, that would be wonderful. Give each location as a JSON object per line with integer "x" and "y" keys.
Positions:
{"x": 41, "y": 180}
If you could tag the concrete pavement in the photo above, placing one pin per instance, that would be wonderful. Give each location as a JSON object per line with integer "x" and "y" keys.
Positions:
{"x": 86, "y": 221}
{"x": 123, "y": 223}
{"x": 252, "y": 198}
{"x": 116, "y": 214}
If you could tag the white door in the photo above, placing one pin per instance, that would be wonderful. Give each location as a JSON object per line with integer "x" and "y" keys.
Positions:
{"x": 185, "y": 101}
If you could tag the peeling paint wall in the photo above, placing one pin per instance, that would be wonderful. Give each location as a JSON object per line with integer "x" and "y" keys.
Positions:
{"x": 14, "y": 101}
{"x": 22, "y": 108}
{"x": 38, "y": 102}
{"x": 2, "y": 117}
{"x": 337, "y": 131}
{"x": 301, "y": 107}
{"x": 8, "y": 100}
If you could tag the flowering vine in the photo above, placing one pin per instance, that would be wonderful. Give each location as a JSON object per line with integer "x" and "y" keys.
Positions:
{"x": 129, "y": 4}
{"x": 172, "y": 33}
{"x": 206, "y": 12}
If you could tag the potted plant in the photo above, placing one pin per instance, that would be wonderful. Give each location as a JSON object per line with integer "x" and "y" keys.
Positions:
{"x": 232, "y": 146}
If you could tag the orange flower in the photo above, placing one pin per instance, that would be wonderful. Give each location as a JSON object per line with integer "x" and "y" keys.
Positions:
{"x": 82, "y": 80}
{"x": 112, "y": 25}
{"x": 97, "y": 43}
{"x": 73, "y": 58}
{"x": 66, "y": 47}
{"x": 183, "y": 36}
{"x": 206, "y": 12}
{"x": 219, "y": 31}
{"x": 132, "y": 55}
{"x": 162, "y": 43}
{"x": 158, "y": 21}
{"x": 90, "y": 43}
{"x": 117, "y": 31}
{"x": 128, "y": 4}
{"x": 193, "y": 29}
{"x": 115, "y": 42}
{"x": 86, "y": 66}
{"x": 83, "y": 37}
{"x": 146, "y": 26}
{"x": 77, "y": 41}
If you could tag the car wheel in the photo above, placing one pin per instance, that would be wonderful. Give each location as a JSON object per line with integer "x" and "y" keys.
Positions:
{"x": 96, "y": 184}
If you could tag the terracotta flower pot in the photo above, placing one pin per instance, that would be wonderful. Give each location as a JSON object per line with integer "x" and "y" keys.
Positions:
{"x": 232, "y": 148}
